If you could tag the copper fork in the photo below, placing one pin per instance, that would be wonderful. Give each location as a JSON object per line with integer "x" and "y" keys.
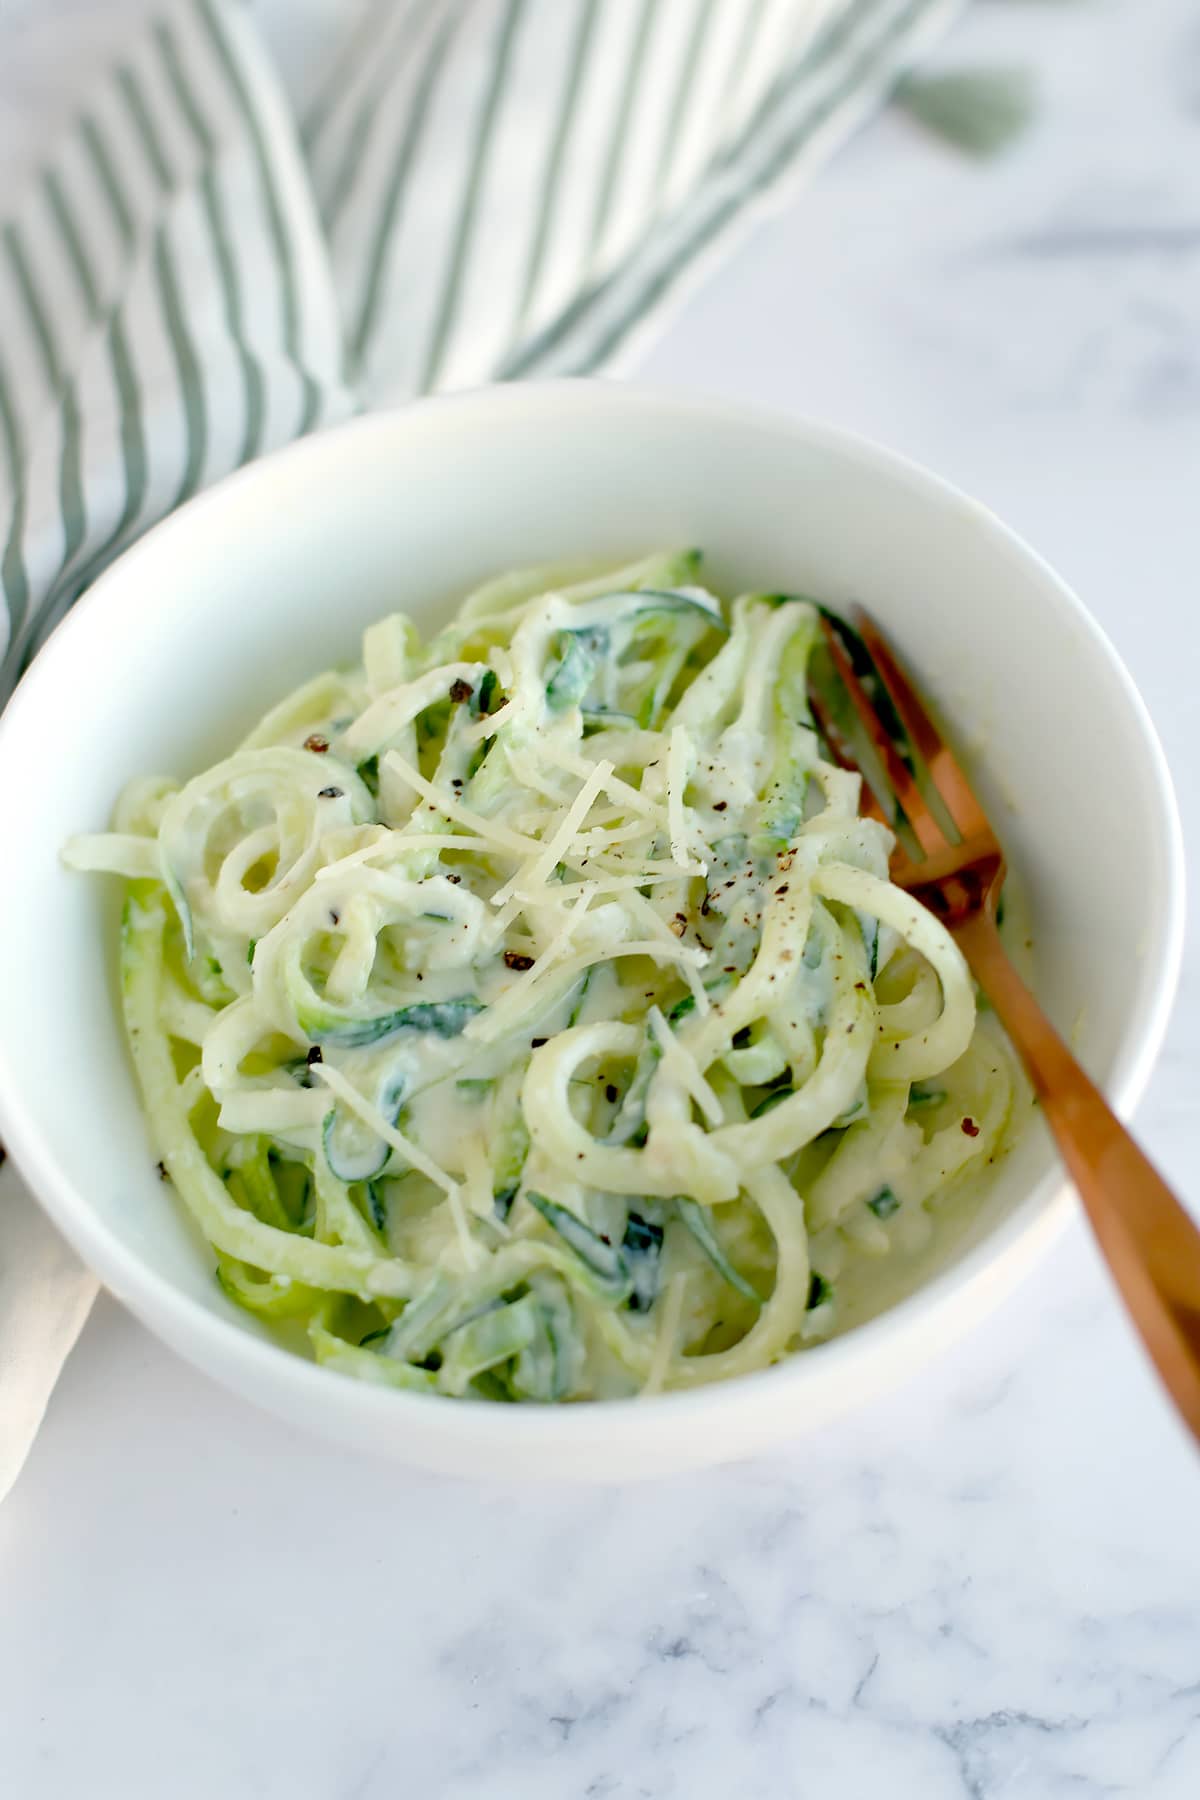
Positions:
{"x": 1151, "y": 1244}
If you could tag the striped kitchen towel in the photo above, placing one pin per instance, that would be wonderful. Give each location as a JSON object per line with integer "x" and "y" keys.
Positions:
{"x": 223, "y": 226}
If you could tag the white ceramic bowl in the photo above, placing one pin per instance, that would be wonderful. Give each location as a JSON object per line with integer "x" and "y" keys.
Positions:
{"x": 272, "y": 575}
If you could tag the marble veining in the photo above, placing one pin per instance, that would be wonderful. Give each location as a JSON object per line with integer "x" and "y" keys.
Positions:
{"x": 985, "y": 1587}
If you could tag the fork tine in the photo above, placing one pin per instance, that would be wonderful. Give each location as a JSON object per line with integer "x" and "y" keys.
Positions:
{"x": 902, "y": 871}
{"x": 926, "y": 829}
{"x": 869, "y": 806}
{"x": 939, "y": 759}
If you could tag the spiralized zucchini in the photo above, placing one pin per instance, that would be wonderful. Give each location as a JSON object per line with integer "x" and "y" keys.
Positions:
{"x": 528, "y": 1015}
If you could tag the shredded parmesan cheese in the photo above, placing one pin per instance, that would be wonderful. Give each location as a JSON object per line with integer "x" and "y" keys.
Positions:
{"x": 490, "y": 830}
{"x": 687, "y": 1071}
{"x": 678, "y": 768}
{"x": 540, "y": 867}
{"x": 348, "y": 1094}
{"x": 667, "y": 1337}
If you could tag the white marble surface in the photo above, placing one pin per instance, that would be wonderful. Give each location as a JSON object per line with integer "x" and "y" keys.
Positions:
{"x": 985, "y": 1588}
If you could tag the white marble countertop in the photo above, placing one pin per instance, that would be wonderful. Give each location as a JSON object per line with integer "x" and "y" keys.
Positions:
{"x": 986, "y": 1586}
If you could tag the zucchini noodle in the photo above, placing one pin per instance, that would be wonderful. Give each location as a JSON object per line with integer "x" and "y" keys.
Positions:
{"x": 529, "y": 1015}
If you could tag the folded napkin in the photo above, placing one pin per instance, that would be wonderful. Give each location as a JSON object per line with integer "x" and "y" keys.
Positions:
{"x": 226, "y": 226}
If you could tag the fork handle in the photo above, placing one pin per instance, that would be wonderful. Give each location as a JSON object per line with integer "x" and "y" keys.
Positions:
{"x": 1151, "y": 1244}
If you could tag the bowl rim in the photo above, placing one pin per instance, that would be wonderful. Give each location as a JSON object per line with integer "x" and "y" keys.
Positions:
{"x": 217, "y": 1344}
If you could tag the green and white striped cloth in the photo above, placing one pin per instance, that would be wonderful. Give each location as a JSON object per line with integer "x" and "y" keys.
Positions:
{"x": 223, "y": 226}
